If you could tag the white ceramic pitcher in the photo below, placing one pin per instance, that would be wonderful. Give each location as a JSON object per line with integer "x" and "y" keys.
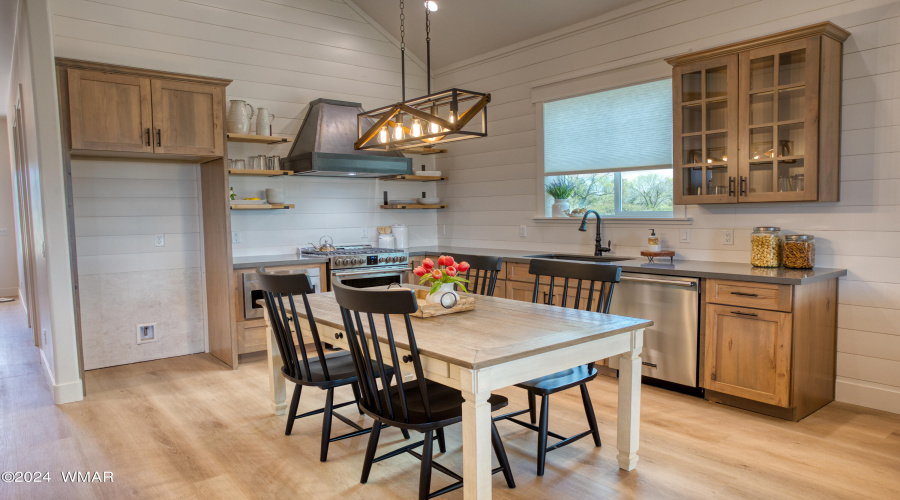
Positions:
{"x": 264, "y": 121}
{"x": 239, "y": 115}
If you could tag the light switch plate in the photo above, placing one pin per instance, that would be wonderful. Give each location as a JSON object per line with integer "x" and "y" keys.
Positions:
{"x": 364, "y": 233}
{"x": 523, "y": 231}
{"x": 728, "y": 237}
{"x": 685, "y": 236}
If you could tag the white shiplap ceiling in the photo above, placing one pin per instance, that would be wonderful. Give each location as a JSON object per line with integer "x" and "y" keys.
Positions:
{"x": 7, "y": 38}
{"x": 462, "y": 29}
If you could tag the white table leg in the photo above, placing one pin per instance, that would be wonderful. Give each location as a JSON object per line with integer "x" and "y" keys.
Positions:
{"x": 629, "y": 419}
{"x": 276, "y": 379}
{"x": 476, "y": 421}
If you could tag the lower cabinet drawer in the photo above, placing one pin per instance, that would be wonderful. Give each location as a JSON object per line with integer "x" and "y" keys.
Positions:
{"x": 251, "y": 339}
{"x": 748, "y": 294}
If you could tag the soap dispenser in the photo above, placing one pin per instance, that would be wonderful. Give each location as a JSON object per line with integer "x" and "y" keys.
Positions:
{"x": 653, "y": 241}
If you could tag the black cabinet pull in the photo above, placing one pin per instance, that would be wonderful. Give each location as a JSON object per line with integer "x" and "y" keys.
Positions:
{"x": 407, "y": 358}
{"x": 731, "y": 186}
{"x": 742, "y": 313}
{"x": 338, "y": 335}
{"x": 159, "y": 137}
{"x": 743, "y": 186}
{"x": 745, "y": 294}
{"x": 148, "y": 136}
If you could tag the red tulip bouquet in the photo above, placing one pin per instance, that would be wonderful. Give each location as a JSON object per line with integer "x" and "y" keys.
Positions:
{"x": 446, "y": 272}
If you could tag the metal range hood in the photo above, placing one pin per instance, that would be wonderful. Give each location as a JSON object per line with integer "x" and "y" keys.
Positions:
{"x": 324, "y": 145}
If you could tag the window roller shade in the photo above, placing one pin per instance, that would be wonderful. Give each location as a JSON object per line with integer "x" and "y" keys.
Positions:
{"x": 624, "y": 128}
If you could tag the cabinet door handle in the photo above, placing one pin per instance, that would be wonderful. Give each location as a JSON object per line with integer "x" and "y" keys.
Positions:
{"x": 148, "y": 136}
{"x": 743, "y": 186}
{"x": 338, "y": 335}
{"x": 742, "y": 313}
{"x": 745, "y": 294}
{"x": 731, "y": 186}
{"x": 159, "y": 137}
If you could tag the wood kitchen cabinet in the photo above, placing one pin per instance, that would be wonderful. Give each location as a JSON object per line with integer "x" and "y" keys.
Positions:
{"x": 114, "y": 110}
{"x": 109, "y": 112}
{"x": 759, "y": 121}
{"x": 770, "y": 348}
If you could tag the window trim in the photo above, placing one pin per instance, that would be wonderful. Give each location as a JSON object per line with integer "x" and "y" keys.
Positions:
{"x": 610, "y": 79}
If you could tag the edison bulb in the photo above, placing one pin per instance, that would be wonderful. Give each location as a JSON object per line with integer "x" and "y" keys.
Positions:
{"x": 724, "y": 158}
{"x": 398, "y": 132}
{"x": 451, "y": 119}
{"x": 431, "y": 6}
{"x": 383, "y": 135}
{"x": 416, "y": 129}
{"x": 433, "y": 128}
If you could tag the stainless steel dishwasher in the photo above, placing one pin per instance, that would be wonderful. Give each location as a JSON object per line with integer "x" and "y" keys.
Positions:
{"x": 671, "y": 344}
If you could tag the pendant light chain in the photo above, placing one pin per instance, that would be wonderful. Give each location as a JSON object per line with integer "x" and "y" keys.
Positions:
{"x": 402, "y": 52}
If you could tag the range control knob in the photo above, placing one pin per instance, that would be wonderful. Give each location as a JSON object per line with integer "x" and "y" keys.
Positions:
{"x": 402, "y": 258}
{"x": 395, "y": 259}
{"x": 357, "y": 261}
{"x": 381, "y": 260}
{"x": 338, "y": 262}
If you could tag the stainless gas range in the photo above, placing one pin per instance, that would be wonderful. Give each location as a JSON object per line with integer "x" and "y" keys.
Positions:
{"x": 363, "y": 266}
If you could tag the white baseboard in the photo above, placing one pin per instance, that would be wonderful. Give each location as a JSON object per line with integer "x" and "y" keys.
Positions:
{"x": 868, "y": 394}
{"x": 69, "y": 392}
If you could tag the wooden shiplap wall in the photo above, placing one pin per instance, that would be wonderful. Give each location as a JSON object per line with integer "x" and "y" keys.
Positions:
{"x": 491, "y": 190}
{"x": 280, "y": 54}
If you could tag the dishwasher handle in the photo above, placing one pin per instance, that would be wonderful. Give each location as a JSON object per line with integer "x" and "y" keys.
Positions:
{"x": 687, "y": 284}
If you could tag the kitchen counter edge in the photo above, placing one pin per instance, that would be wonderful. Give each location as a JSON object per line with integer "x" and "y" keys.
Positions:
{"x": 253, "y": 262}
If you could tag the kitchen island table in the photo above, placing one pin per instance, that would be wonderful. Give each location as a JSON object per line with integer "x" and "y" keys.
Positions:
{"x": 499, "y": 344}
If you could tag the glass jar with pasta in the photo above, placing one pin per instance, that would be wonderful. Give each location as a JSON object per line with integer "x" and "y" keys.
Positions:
{"x": 799, "y": 251}
{"x": 766, "y": 246}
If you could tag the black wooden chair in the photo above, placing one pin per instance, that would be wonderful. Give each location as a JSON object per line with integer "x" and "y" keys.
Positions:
{"x": 602, "y": 280}
{"x": 325, "y": 371}
{"x": 482, "y": 273}
{"x": 421, "y": 405}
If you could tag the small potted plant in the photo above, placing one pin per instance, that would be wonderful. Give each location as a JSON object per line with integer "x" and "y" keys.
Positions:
{"x": 442, "y": 277}
{"x": 560, "y": 189}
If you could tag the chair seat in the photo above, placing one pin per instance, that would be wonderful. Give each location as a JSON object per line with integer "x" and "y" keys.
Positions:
{"x": 445, "y": 403}
{"x": 340, "y": 370}
{"x": 559, "y": 381}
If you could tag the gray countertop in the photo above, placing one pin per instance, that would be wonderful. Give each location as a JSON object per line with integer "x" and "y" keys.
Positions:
{"x": 290, "y": 259}
{"x": 688, "y": 268}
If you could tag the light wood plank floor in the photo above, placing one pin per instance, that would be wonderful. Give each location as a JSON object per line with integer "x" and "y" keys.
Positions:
{"x": 187, "y": 428}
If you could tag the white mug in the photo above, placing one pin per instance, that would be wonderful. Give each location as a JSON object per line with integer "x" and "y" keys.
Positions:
{"x": 275, "y": 196}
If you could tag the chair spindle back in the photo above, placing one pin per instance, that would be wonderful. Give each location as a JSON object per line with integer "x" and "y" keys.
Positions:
{"x": 604, "y": 275}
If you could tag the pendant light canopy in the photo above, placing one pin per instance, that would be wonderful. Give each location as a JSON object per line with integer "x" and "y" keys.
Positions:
{"x": 436, "y": 118}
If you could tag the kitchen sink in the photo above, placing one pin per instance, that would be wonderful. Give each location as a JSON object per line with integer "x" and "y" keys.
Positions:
{"x": 587, "y": 258}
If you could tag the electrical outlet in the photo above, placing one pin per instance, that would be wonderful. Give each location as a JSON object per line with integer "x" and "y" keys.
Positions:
{"x": 146, "y": 333}
{"x": 443, "y": 230}
{"x": 159, "y": 240}
{"x": 728, "y": 237}
{"x": 44, "y": 337}
{"x": 364, "y": 233}
{"x": 685, "y": 236}
{"x": 235, "y": 237}
{"x": 4, "y": 231}
{"x": 523, "y": 231}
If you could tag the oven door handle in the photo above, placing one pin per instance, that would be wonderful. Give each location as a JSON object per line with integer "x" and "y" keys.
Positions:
{"x": 381, "y": 270}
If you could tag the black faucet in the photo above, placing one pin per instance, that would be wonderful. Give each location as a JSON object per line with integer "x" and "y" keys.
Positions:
{"x": 598, "y": 242}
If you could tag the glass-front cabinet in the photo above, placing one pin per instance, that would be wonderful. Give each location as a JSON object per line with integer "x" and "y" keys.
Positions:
{"x": 759, "y": 121}
{"x": 705, "y": 114}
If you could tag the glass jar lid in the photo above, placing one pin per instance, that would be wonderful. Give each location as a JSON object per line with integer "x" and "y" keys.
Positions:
{"x": 799, "y": 237}
{"x": 767, "y": 229}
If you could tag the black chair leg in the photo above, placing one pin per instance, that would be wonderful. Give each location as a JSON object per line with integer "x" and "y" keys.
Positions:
{"x": 370, "y": 451}
{"x": 500, "y": 451}
{"x": 532, "y": 408}
{"x": 326, "y": 425}
{"x": 357, "y": 397}
{"x": 442, "y": 444}
{"x": 589, "y": 412}
{"x": 542, "y": 435}
{"x": 405, "y": 433}
{"x": 292, "y": 411}
{"x": 425, "y": 471}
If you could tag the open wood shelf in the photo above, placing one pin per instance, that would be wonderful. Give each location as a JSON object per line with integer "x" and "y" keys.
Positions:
{"x": 405, "y": 206}
{"x": 258, "y": 139}
{"x": 278, "y": 206}
{"x": 417, "y": 178}
{"x": 262, "y": 173}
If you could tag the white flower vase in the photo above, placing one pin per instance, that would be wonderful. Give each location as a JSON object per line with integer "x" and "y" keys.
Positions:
{"x": 559, "y": 208}
{"x": 435, "y": 298}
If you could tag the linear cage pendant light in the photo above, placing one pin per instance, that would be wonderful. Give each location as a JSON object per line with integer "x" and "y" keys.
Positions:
{"x": 437, "y": 118}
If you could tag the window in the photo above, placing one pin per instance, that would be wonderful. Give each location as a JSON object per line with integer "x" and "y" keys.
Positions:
{"x": 615, "y": 148}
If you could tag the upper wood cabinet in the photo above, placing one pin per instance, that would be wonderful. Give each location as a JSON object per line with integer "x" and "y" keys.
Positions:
{"x": 188, "y": 118}
{"x": 109, "y": 112}
{"x": 759, "y": 121}
{"x": 114, "y": 109}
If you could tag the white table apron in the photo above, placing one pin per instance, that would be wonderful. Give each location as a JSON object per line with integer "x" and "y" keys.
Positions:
{"x": 476, "y": 386}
